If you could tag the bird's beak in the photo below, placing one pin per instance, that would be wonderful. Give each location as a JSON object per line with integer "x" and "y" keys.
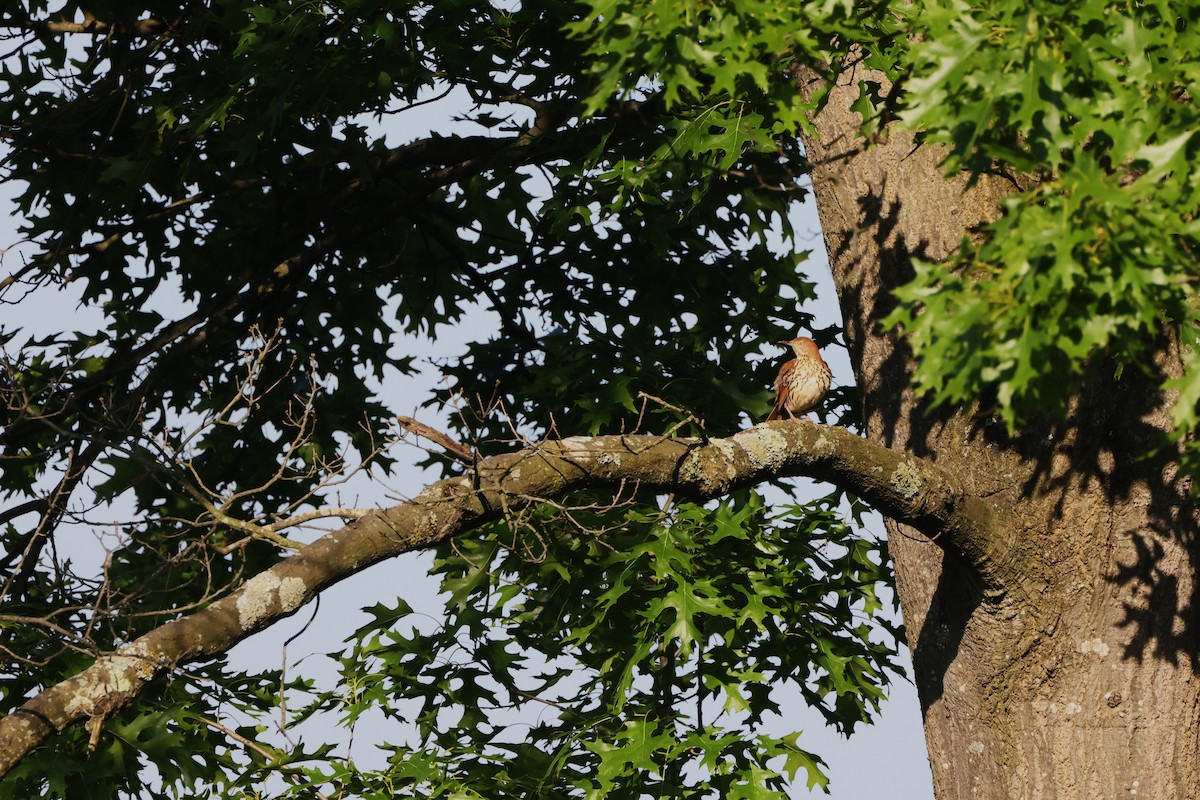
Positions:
{"x": 784, "y": 343}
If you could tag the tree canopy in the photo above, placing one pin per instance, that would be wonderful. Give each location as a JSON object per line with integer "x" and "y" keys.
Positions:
{"x": 230, "y": 188}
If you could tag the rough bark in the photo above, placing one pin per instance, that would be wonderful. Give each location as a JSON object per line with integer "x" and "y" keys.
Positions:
{"x": 902, "y": 486}
{"x": 1076, "y": 675}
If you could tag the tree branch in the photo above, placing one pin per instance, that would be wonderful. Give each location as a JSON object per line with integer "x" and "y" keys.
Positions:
{"x": 146, "y": 28}
{"x": 903, "y": 487}
{"x": 456, "y": 449}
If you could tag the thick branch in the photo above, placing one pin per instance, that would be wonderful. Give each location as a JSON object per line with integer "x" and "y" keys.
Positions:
{"x": 903, "y": 487}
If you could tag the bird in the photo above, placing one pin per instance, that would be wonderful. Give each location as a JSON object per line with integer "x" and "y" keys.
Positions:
{"x": 802, "y": 382}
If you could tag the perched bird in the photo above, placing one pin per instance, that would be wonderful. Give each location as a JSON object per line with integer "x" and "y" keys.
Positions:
{"x": 801, "y": 382}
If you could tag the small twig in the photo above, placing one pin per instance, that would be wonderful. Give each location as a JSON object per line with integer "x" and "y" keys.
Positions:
{"x": 459, "y": 451}
{"x": 250, "y": 744}
{"x": 283, "y": 709}
{"x": 343, "y": 512}
{"x": 689, "y": 417}
{"x": 665, "y": 404}
{"x": 80, "y": 643}
{"x": 94, "y": 725}
{"x": 282, "y": 542}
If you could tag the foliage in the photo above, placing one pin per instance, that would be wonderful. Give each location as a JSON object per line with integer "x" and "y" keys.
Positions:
{"x": 170, "y": 741}
{"x": 643, "y": 662}
{"x": 1092, "y": 105}
{"x": 1089, "y": 107}
{"x": 247, "y": 201}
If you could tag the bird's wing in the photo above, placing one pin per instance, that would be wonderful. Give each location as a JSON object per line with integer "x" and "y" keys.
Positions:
{"x": 781, "y": 389}
{"x": 781, "y": 380}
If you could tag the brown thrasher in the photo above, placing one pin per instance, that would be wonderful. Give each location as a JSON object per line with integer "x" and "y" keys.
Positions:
{"x": 801, "y": 382}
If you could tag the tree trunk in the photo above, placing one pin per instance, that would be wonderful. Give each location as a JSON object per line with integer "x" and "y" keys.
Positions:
{"x": 1073, "y": 673}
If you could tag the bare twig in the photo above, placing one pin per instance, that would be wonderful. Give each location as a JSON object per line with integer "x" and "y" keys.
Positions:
{"x": 266, "y": 754}
{"x": 689, "y": 417}
{"x": 456, "y": 449}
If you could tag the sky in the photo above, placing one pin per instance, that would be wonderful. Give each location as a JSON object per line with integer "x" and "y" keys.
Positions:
{"x": 887, "y": 760}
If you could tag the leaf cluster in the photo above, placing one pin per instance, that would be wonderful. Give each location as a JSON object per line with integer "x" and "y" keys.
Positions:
{"x": 653, "y": 660}
{"x": 175, "y": 743}
{"x": 1091, "y": 106}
